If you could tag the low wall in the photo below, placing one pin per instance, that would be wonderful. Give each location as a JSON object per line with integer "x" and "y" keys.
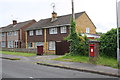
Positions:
{"x": 20, "y": 50}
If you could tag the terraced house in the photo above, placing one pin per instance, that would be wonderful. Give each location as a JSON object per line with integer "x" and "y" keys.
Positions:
{"x": 13, "y": 35}
{"x": 48, "y": 31}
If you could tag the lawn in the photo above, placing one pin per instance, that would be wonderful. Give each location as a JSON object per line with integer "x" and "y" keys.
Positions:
{"x": 18, "y": 53}
{"x": 105, "y": 61}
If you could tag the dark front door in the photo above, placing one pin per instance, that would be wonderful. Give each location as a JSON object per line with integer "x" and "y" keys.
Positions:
{"x": 62, "y": 47}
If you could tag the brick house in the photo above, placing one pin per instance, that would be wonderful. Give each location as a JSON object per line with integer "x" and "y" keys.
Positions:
{"x": 48, "y": 31}
{"x": 13, "y": 35}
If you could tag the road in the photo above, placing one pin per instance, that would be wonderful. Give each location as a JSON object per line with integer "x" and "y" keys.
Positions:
{"x": 22, "y": 69}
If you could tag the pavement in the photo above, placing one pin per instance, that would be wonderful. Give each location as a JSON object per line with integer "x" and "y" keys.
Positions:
{"x": 85, "y": 67}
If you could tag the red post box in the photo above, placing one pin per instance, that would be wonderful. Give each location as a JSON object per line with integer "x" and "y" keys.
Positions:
{"x": 39, "y": 50}
{"x": 92, "y": 53}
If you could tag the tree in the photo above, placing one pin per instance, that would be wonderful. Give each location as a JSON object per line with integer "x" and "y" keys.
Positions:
{"x": 74, "y": 40}
{"x": 78, "y": 43}
{"x": 108, "y": 46}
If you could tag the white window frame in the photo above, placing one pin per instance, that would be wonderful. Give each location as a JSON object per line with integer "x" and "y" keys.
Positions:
{"x": 3, "y": 34}
{"x": 15, "y": 33}
{"x": 87, "y": 30}
{"x": 52, "y": 30}
{"x": 30, "y": 45}
{"x": 10, "y": 44}
{"x": 63, "y": 29}
{"x": 51, "y": 45}
{"x": 38, "y": 32}
{"x": 9, "y": 33}
{"x": 31, "y": 33}
{"x": 3, "y": 44}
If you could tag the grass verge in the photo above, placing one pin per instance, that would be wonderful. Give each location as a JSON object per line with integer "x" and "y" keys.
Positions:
{"x": 18, "y": 53}
{"x": 104, "y": 61}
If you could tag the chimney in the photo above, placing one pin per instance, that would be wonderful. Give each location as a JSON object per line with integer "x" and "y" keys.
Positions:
{"x": 54, "y": 16}
{"x": 14, "y": 22}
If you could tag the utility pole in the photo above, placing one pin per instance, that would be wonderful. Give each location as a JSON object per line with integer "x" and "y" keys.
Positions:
{"x": 118, "y": 50}
{"x": 73, "y": 15}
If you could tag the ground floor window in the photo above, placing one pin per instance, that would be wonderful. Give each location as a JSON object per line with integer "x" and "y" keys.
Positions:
{"x": 30, "y": 45}
{"x": 16, "y": 43}
{"x": 3, "y": 44}
{"x": 51, "y": 45}
{"x": 38, "y": 44}
{"x": 10, "y": 44}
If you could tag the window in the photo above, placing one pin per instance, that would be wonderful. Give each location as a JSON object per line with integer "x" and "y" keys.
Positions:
{"x": 16, "y": 44}
{"x": 30, "y": 45}
{"x": 9, "y": 33}
{"x": 31, "y": 33}
{"x": 53, "y": 31}
{"x": 3, "y": 34}
{"x": 3, "y": 44}
{"x": 38, "y": 32}
{"x": 10, "y": 44}
{"x": 38, "y": 44}
{"x": 15, "y": 33}
{"x": 63, "y": 29}
{"x": 87, "y": 30}
{"x": 52, "y": 45}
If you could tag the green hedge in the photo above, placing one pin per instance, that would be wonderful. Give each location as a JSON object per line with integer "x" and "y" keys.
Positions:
{"x": 108, "y": 46}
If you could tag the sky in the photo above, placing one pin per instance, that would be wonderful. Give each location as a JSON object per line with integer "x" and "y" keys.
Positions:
{"x": 101, "y": 12}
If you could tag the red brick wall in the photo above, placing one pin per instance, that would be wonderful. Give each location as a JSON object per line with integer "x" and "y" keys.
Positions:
{"x": 56, "y": 37}
{"x": 35, "y": 38}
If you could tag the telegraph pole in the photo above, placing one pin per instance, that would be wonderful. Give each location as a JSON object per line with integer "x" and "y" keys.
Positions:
{"x": 118, "y": 50}
{"x": 73, "y": 15}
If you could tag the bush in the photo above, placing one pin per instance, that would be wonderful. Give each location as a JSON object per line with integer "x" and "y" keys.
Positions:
{"x": 108, "y": 46}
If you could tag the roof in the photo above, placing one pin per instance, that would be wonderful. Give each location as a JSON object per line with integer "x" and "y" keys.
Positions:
{"x": 61, "y": 20}
{"x": 12, "y": 27}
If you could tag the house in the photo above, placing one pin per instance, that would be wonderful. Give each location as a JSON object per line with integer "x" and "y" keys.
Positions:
{"x": 48, "y": 31}
{"x": 13, "y": 35}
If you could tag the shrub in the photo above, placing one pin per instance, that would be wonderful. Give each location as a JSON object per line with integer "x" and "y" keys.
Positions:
{"x": 108, "y": 46}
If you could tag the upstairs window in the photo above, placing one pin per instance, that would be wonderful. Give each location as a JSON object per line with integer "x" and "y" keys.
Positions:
{"x": 15, "y": 33}
{"x": 30, "y": 33}
{"x": 38, "y": 32}
{"x": 87, "y": 30}
{"x": 9, "y": 33}
{"x": 63, "y": 29}
{"x": 3, "y": 34}
{"x": 53, "y": 31}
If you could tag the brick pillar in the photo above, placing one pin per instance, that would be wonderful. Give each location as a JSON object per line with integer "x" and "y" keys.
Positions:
{"x": 45, "y": 42}
{"x": 26, "y": 40}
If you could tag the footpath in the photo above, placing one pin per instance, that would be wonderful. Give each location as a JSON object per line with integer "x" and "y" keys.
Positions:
{"x": 46, "y": 60}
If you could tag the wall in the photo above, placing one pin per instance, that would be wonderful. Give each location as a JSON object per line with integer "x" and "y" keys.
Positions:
{"x": 83, "y": 22}
{"x": 56, "y": 37}
{"x": 35, "y": 38}
{"x": 21, "y": 50}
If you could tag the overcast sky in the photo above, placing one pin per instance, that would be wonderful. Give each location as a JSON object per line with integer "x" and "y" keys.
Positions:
{"x": 101, "y": 12}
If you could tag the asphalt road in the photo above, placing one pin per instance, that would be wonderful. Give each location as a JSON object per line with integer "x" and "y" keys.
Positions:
{"x": 22, "y": 69}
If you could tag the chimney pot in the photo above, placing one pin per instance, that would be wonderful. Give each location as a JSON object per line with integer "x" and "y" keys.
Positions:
{"x": 54, "y": 16}
{"x": 14, "y": 22}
